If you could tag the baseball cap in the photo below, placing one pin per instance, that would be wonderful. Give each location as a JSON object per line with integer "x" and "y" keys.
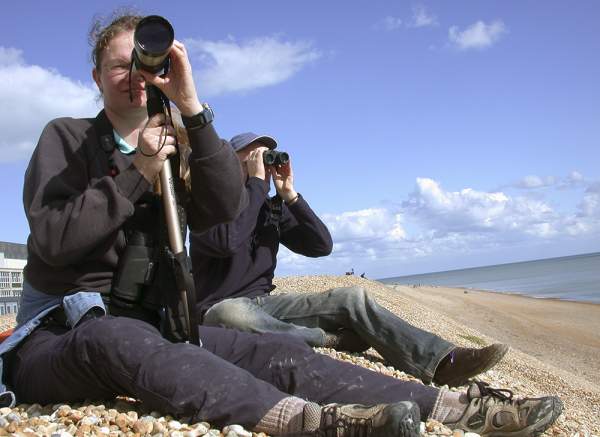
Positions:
{"x": 242, "y": 140}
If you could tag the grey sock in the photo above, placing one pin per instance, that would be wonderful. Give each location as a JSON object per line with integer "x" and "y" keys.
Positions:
{"x": 312, "y": 417}
{"x": 286, "y": 417}
{"x": 449, "y": 406}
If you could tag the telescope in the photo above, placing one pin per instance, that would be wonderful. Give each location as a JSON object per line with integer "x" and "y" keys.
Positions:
{"x": 152, "y": 40}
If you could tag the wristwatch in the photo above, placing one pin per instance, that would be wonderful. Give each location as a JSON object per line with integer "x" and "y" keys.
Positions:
{"x": 201, "y": 119}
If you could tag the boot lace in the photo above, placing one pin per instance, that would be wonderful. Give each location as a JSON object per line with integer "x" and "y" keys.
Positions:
{"x": 502, "y": 394}
{"x": 333, "y": 421}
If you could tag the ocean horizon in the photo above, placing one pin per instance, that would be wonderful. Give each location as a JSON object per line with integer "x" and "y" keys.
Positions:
{"x": 573, "y": 278}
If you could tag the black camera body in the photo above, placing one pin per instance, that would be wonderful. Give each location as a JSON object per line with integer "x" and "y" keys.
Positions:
{"x": 273, "y": 157}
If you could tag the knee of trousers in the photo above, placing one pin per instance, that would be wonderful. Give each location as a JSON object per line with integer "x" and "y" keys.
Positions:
{"x": 232, "y": 313}
{"x": 283, "y": 346}
{"x": 100, "y": 337}
{"x": 352, "y": 297}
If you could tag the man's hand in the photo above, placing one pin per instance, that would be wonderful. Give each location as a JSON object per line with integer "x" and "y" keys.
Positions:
{"x": 283, "y": 179}
{"x": 255, "y": 164}
{"x": 154, "y": 134}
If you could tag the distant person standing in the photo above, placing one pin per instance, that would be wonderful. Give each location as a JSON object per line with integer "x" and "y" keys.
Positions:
{"x": 234, "y": 265}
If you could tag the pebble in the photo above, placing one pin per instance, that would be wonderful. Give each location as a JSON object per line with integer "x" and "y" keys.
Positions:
{"x": 12, "y": 417}
{"x": 202, "y": 428}
{"x": 175, "y": 425}
{"x": 236, "y": 431}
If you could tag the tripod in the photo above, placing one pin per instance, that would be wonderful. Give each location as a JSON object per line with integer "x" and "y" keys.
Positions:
{"x": 157, "y": 103}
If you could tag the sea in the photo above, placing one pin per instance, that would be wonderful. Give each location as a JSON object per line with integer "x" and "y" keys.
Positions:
{"x": 575, "y": 278}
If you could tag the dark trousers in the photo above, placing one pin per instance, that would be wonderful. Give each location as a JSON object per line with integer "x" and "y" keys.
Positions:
{"x": 235, "y": 377}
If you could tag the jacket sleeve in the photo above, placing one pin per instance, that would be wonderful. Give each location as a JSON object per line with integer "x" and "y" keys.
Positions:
{"x": 225, "y": 240}
{"x": 303, "y": 232}
{"x": 217, "y": 193}
{"x": 69, "y": 214}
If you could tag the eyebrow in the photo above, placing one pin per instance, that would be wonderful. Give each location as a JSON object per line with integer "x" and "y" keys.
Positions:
{"x": 118, "y": 61}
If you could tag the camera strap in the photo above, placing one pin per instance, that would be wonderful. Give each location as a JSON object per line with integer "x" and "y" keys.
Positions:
{"x": 106, "y": 138}
{"x": 275, "y": 211}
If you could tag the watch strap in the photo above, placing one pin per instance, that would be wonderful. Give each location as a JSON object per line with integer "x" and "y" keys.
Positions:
{"x": 199, "y": 120}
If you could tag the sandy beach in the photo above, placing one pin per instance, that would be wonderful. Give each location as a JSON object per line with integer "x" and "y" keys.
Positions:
{"x": 562, "y": 333}
{"x": 554, "y": 351}
{"x": 527, "y": 370}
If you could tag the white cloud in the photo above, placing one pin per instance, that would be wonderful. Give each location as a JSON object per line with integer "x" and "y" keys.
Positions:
{"x": 231, "y": 66}
{"x": 469, "y": 210}
{"x": 533, "y": 181}
{"x": 31, "y": 96}
{"x": 573, "y": 180}
{"x": 390, "y": 23}
{"x": 421, "y": 18}
{"x": 477, "y": 36}
{"x": 434, "y": 222}
{"x": 10, "y": 56}
{"x": 590, "y": 204}
{"x": 365, "y": 224}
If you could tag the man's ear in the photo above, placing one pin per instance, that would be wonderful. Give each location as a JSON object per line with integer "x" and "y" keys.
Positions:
{"x": 96, "y": 77}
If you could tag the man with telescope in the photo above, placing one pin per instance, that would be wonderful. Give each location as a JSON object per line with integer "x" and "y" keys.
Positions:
{"x": 89, "y": 198}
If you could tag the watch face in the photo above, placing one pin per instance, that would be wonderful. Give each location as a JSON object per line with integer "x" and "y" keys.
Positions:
{"x": 210, "y": 115}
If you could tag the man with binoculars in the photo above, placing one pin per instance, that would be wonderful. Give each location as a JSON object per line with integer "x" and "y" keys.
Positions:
{"x": 234, "y": 264}
{"x": 89, "y": 185}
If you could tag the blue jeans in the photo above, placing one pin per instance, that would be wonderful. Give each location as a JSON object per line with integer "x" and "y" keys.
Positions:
{"x": 310, "y": 316}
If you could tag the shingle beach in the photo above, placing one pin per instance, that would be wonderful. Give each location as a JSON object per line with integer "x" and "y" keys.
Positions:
{"x": 526, "y": 372}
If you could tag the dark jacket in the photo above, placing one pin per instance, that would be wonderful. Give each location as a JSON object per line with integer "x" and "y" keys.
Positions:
{"x": 77, "y": 210}
{"x": 238, "y": 258}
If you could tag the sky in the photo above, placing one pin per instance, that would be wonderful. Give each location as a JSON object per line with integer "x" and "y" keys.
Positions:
{"x": 428, "y": 136}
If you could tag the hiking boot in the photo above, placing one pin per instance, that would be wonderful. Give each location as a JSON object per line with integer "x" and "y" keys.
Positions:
{"x": 462, "y": 363}
{"x": 345, "y": 340}
{"x": 493, "y": 412}
{"x": 401, "y": 419}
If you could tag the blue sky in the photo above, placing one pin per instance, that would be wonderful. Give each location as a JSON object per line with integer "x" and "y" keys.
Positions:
{"x": 428, "y": 135}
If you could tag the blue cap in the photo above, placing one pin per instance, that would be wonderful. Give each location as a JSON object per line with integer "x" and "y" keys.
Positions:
{"x": 242, "y": 140}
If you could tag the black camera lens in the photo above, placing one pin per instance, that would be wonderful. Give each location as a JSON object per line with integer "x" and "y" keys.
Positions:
{"x": 153, "y": 38}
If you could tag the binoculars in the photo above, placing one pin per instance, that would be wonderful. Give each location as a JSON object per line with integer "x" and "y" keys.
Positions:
{"x": 273, "y": 157}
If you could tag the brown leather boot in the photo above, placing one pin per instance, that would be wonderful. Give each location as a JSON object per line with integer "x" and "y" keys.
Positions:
{"x": 462, "y": 363}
